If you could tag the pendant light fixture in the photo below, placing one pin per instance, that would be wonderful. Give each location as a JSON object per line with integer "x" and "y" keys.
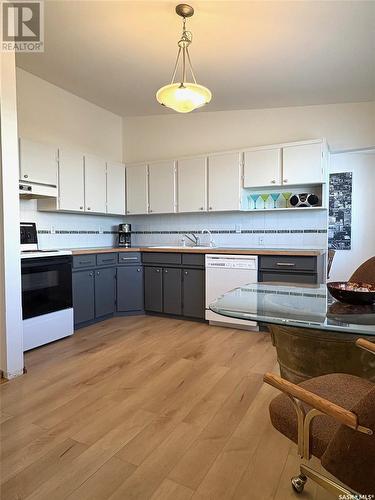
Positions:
{"x": 184, "y": 96}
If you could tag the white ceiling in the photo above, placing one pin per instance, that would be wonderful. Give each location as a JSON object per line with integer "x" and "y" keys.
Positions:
{"x": 250, "y": 54}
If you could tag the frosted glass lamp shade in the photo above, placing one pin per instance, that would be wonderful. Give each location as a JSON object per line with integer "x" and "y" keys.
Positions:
{"x": 183, "y": 98}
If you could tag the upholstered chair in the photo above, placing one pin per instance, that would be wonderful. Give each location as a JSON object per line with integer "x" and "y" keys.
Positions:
{"x": 365, "y": 272}
{"x": 331, "y": 417}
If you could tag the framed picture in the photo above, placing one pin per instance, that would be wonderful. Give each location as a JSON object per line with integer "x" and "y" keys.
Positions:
{"x": 340, "y": 211}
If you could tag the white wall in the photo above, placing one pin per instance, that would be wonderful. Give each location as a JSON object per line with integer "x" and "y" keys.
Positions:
{"x": 49, "y": 114}
{"x": 11, "y": 341}
{"x": 346, "y": 126}
{"x": 363, "y": 211}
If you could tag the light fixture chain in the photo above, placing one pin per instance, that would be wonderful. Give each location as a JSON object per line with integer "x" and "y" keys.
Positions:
{"x": 176, "y": 65}
{"x": 190, "y": 65}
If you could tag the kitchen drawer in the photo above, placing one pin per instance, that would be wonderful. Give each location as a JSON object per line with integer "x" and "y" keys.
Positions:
{"x": 303, "y": 278}
{"x": 288, "y": 263}
{"x": 193, "y": 259}
{"x": 161, "y": 258}
{"x": 106, "y": 259}
{"x": 129, "y": 258}
{"x": 82, "y": 261}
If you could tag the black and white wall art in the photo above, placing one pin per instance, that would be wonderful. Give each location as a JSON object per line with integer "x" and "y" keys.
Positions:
{"x": 340, "y": 211}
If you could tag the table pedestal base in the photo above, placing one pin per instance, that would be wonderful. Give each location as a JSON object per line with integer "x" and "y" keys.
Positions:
{"x": 304, "y": 353}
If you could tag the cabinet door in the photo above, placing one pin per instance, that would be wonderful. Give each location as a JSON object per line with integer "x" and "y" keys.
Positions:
{"x": 116, "y": 189}
{"x": 224, "y": 174}
{"x": 71, "y": 181}
{"x": 137, "y": 190}
{"x": 172, "y": 291}
{"x": 303, "y": 164}
{"x": 83, "y": 296}
{"x": 194, "y": 293}
{"x": 95, "y": 184}
{"x": 153, "y": 289}
{"x": 262, "y": 168}
{"x": 129, "y": 289}
{"x": 38, "y": 162}
{"x": 105, "y": 292}
{"x": 162, "y": 187}
{"x": 192, "y": 185}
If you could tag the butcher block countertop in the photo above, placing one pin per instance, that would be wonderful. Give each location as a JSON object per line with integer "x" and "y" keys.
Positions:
{"x": 217, "y": 250}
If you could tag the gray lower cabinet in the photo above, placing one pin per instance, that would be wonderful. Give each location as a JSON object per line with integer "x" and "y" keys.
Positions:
{"x": 83, "y": 296}
{"x": 175, "y": 290}
{"x": 193, "y": 289}
{"x": 291, "y": 269}
{"x": 172, "y": 291}
{"x": 153, "y": 289}
{"x": 105, "y": 291}
{"x": 129, "y": 289}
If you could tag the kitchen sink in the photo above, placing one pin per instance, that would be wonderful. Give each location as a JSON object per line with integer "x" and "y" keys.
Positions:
{"x": 181, "y": 247}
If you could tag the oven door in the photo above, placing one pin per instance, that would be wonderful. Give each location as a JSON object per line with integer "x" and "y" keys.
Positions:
{"x": 46, "y": 285}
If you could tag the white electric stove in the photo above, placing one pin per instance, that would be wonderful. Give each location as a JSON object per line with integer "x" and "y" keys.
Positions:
{"x": 47, "y": 303}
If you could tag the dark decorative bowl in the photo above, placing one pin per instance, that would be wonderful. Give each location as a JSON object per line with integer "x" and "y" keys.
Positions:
{"x": 352, "y": 293}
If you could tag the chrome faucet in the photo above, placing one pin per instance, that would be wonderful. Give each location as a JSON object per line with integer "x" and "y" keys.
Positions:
{"x": 193, "y": 238}
{"x": 212, "y": 243}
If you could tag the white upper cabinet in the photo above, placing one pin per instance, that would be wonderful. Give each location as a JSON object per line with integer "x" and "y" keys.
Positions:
{"x": 262, "y": 167}
{"x": 136, "y": 189}
{"x": 303, "y": 164}
{"x": 95, "y": 184}
{"x": 192, "y": 185}
{"x": 162, "y": 187}
{"x": 116, "y": 188}
{"x": 38, "y": 162}
{"x": 71, "y": 181}
{"x": 224, "y": 177}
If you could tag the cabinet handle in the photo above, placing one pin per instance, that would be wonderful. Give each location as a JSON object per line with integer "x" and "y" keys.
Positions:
{"x": 285, "y": 264}
{"x": 97, "y": 273}
{"x": 138, "y": 270}
{"x": 285, "y": 180}
{"x": 91, "y": 273}
{"x": 81, "y": 208}
{"x": 186, "y": 273}
{"x": 165, "y": 270}
{"x": 129, "y": 258}
{"x": 273, "y": 181}
{"x": 210, "y": 208}
{"x": 158, "y": 270}
{"x": 26, "y": 176}
{"x": 85, "y": 261}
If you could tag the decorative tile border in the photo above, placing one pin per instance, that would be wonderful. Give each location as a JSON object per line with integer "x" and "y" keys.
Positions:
{"x": 197, "y": 231}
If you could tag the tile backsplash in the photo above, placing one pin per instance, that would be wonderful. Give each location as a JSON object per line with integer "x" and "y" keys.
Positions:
{"x": 295, "y": 229}
{"x": 60, "y": 230}
{"x": 263, "y": 229}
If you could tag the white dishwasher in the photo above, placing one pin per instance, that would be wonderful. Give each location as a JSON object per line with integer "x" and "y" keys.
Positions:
{"x": 224, "y": 273}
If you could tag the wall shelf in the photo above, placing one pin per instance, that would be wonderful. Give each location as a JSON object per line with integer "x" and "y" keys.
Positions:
{"x": 282, "y": 209}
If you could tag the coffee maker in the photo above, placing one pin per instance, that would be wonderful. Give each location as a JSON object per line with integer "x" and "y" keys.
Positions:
{"x": 124, "y": 235}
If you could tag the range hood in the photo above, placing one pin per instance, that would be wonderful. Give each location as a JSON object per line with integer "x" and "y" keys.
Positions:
{"x": 30, "y": 190}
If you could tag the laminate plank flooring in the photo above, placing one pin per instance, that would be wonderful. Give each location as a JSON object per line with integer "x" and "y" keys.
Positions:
{"x": 146, "y": 408}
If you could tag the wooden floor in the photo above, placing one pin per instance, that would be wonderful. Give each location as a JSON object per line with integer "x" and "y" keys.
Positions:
{"x": 146, "y": 407}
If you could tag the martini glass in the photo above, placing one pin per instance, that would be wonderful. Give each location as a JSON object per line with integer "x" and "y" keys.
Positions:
{"x": 286, "y": 196}
{"x": 275, "y": 197}
{"x": 255, "y": 197}
{"x": 264, "y": 197}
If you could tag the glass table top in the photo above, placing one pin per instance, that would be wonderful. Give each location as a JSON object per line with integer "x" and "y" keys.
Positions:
{"x": 305, "y": 306}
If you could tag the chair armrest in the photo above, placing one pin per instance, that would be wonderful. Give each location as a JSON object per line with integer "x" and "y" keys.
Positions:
{"x": 366, "y": 344}
{"x": 342, "y": 415}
